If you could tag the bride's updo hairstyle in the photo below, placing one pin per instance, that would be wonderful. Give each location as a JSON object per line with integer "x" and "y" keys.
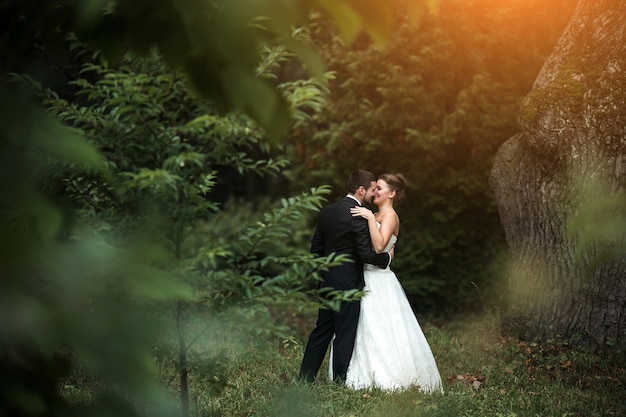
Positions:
{"x": 396, "y": 182}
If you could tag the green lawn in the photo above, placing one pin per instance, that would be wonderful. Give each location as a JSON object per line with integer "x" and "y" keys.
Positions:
{"x": 484, "y": 374}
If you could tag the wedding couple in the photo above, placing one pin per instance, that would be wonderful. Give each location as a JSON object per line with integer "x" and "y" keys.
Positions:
{"x": 377, "y": 342}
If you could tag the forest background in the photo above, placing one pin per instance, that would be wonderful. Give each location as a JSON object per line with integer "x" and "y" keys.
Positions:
{"x": 176, "y": 222}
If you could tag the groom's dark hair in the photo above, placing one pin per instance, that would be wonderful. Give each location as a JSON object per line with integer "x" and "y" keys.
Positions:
{"x": 358, "y": 178}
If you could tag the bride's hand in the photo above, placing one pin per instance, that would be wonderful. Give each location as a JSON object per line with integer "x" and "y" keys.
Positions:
{"x": 362, "y": 211}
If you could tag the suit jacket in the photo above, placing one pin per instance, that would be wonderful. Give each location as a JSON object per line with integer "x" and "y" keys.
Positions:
{"x": 339, "y": 232}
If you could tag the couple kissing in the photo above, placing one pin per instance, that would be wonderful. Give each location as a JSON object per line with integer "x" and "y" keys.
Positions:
{"x": 376, "y": 342}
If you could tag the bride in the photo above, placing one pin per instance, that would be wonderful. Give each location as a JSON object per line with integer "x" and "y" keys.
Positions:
{"x": 390, "y": 350}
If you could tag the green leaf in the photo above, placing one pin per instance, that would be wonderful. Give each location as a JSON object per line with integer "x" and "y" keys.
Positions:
{"x": 156, "y": 285}
{"x": 26, "y": 124}
{"x": 377, "y": 18}
{"x": 258, "y": 99}
{"x": 49, "y": 219}
{"x": 344, "y": 16}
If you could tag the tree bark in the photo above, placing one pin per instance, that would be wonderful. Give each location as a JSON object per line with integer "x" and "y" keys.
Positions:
{"x": 573, "y": 131}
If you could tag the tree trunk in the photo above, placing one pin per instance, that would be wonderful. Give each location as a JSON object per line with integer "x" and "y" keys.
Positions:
{"x": 182, "y": 361}
{"x": 573, "y": 130}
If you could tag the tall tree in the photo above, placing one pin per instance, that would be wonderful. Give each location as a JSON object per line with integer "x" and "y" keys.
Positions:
{"x": 572, "y": 137}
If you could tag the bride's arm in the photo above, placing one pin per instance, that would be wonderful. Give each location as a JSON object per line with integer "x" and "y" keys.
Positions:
{"x": 387, "y": 226}
{"x": 380, "y": 237}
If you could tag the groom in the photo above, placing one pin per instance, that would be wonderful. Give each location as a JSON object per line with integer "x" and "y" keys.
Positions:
{"x": 340, "y": 233}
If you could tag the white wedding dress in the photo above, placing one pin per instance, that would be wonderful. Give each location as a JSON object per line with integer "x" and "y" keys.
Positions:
{"x": 390, "y": 350}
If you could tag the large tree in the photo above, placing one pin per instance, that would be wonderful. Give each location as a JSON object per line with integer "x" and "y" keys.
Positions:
{"x": 567, "y": 247}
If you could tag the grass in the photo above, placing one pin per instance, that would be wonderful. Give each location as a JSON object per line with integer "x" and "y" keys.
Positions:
{"x": 484, "y": 375}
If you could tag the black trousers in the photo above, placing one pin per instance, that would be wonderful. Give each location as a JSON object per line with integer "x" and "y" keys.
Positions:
{"x": 342, "y": 324}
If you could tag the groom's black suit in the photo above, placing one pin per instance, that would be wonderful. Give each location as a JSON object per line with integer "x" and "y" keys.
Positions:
{"x": 341, "y": 233}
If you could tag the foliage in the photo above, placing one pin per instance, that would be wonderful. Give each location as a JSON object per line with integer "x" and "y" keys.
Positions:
{"x": 157, "y": 140}
{"x": 58, "y": 279}
{"x": 137, "y": 215}
{"x": 215, "y": 43}
{"x": 435, "y": 104}
{"x": 54, "y": 288}
{"x": 163, "y": 151}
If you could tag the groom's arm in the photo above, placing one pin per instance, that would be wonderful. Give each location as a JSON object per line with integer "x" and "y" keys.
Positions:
{"x": 317, "y": 242}
{"x": 364, "y": 245}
